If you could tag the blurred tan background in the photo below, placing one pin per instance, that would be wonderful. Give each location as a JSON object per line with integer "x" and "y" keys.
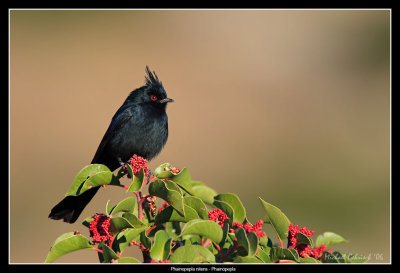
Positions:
{"x": 289, "y": 105}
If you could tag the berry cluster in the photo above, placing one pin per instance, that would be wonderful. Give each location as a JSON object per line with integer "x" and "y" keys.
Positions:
{"x": 218, "y": 216}
{"x": 256, "y": 228}
{"x": 99, "y": 229}
{"x": 303, "y": 249}
{"x": 137, "y": 163}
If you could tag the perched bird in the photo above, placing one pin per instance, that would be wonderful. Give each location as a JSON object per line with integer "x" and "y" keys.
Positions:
{"x": 140, "y": 126}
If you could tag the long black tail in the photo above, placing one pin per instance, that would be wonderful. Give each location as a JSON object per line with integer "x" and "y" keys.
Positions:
{"x": 71, "y": 207}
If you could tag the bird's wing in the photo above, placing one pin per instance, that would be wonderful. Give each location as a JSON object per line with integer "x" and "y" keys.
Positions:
{"x": 120, "y": 118}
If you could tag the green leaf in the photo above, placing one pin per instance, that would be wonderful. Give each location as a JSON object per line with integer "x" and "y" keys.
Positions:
{"x": 173, "y": 229}
{"x": 167, "y": 250}
{"x": 87, "y": 220}
{"x": 161, "y": 173}
{"x": 204, "y": 192}
{"x": 167, "y": 191}
{"x": 206, "y": 228}
{"x": 225, "y": 207}
{"x": 278, "y": 253}
{"x": 153, "y": 229}
{"x": 108, "y": 254}
{"x": 308, "y": 260}
{"x": 125, "y": 237}
{"x": 303, "y": 239}
{"x": 253, "y": 243}
{"x": 248, "y": 241}
{"x": 291, "y": 254}
{"x": 137, "y": 181}
{"x": 92, "y": 175}
{"x": 242, "y": 240}
{"x": 66, "y": 243}
{"x": 173, "y": 186}
{"x": 101, "y": 178}
{"x": 225, "y": 231}
{"x": 117, "y": 224}
{"x": 329, "y": 238}
{"x": 239, "y": 213}
{"x": 198, "y": 205}
{"x": 158, "y": 251}
{"x": 194, "y": 239}
{"x": 128, "y": 260}
{"x": 277, "y": 219}
{"x": 184, "y": 180}
{"x": 109, "y": 208}
{"x": 263, "y": 241}
{"x": 192, "y": 254}
{"x": 263, "y": 254}
{"x": 169, "y": 214}
{"x": 133, "y": 220}
{"x": 246, "y": 259}
{"x": 127, "y": 205}
{"x": 145, "y": 240}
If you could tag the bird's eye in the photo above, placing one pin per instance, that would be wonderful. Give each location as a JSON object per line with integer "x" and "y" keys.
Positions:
{"x": 153, "y": 98}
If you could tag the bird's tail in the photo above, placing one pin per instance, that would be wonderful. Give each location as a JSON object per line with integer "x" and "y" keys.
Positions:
{"x": 71, "y": 207}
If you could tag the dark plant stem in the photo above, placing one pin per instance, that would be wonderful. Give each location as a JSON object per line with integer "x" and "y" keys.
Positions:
{"x": 145, "y": 252}
{"x": 230, "y": 252}
{"x": 140, "y": 201}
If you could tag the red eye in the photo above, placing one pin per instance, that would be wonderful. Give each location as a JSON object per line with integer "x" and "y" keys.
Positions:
{"x": 153, "y": 98}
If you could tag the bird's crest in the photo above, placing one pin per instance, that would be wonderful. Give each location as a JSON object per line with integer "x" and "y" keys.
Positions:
{"x": 151, "y": 78}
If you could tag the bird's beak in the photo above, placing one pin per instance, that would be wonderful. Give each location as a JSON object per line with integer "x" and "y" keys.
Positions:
{"x": 165, "y": 100}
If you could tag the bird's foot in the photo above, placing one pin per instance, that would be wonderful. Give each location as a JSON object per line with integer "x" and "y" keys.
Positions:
{"x": 123, "y": 171}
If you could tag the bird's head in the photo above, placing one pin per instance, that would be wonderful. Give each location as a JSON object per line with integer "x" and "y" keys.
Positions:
{"x": 152, "y": 93}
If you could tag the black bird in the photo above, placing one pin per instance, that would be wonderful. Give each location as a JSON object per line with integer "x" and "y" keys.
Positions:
{"x": 140, "y": 126}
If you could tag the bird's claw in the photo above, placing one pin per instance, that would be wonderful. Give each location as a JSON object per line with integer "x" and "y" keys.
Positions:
{"x": 123, "y": 171}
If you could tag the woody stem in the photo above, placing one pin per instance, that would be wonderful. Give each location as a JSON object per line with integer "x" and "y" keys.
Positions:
{"x": 140, "y": 200}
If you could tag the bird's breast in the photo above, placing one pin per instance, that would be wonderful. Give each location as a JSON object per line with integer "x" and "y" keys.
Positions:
{"x": 144, "y": 134}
